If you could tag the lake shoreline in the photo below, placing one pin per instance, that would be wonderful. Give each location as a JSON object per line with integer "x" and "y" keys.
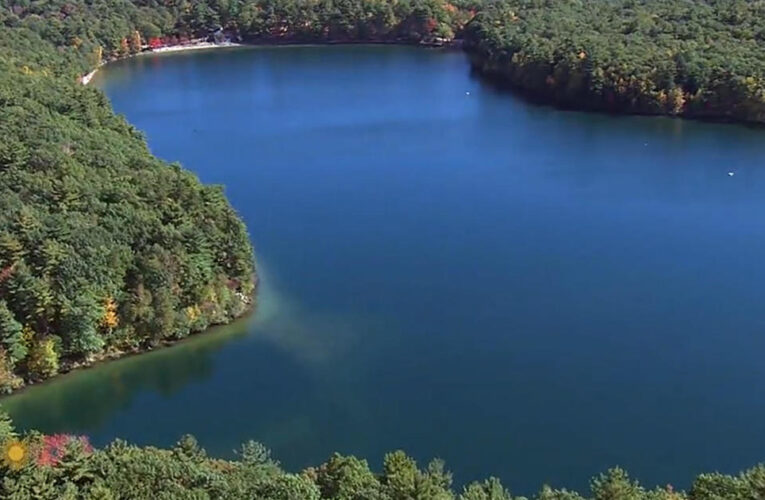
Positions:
{"x": 510, "y": 80}
{"x": 451, "y": 44}
{"x": 107, "y": 357}
{"x": 496, "y": 80}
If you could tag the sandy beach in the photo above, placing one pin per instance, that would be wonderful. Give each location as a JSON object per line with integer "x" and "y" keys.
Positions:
{"x": 191, "y": 46}
{"x": 85, "y": 79}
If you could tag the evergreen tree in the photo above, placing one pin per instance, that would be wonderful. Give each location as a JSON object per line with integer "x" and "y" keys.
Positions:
{"x": 11, "y": 334}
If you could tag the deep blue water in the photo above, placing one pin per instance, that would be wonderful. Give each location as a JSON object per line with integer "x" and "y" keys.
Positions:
{"x": 523, "y": 292}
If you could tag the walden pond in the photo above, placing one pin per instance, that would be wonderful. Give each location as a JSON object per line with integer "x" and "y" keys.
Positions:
{"x": 524, "y": 292}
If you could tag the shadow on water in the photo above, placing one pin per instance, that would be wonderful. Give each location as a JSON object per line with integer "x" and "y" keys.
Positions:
{"x": 111, "y": 386}
{"x": 273, "y": 365}
{"x": 500, "y": 86}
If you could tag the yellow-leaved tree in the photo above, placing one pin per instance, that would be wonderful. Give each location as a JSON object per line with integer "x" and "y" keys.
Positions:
{"x": 110, "y": 319}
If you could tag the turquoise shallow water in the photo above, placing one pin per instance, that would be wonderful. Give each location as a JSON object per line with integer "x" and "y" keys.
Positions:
{"x": 523, "y": 292}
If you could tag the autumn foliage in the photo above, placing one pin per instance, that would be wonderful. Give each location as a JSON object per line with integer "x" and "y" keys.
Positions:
{"x": 53, "y": 448}
{"x": 110, "y": 319}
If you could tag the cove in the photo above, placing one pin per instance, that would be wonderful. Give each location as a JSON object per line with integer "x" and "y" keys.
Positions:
{"x": 524, "y": 292}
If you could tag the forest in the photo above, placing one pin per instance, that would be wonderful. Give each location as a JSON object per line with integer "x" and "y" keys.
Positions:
{"x": 104, "y": 249}
{"x": 66, "y": 467}
{"x": 690, "y": 58}
{"x": 699, "y": 59}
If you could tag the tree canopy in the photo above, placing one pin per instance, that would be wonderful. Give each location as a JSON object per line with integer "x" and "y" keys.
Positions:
{"x": 103, "y": 247}
{"x": 693, "y": 58}
{"x": 54, "y": 467}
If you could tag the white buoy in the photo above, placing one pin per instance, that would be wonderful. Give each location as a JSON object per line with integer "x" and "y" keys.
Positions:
{"x": 467, "y": 93}
{"x": 730, "y": 174}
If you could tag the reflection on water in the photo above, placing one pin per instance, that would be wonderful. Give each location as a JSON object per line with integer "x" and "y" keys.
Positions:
{"x": 84, "y": 399}
{"x": 89, "y": 401}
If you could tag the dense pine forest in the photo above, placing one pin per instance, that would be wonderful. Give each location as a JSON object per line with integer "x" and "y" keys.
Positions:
{"x": 692, "y": 58}
{"x": 103, "y": 248}
{"x": 703, "y": 59}
{"x": 58, "y": 467}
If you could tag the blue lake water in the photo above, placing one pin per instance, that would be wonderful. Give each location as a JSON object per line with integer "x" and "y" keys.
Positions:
{"x": 524, "y": 292}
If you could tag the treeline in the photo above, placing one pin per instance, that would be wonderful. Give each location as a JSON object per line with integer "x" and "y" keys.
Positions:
{"x": 106, "y": 29}
{"x": 693, "y": 58}
{"x": 59, "y": 467}
{"x": 103, "y": 248}
{"x": 331, "y": 20}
